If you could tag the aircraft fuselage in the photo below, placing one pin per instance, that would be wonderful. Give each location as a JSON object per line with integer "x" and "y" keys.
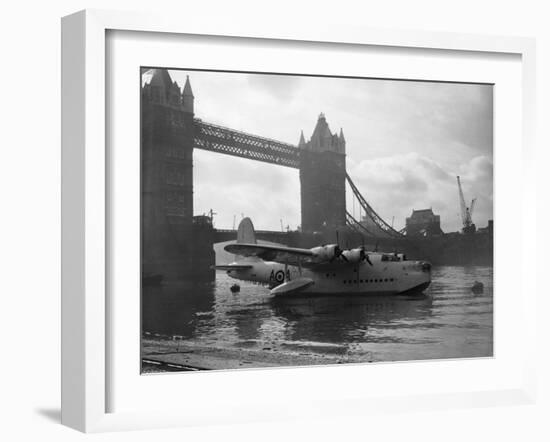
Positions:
{"x": 385, "y": 274}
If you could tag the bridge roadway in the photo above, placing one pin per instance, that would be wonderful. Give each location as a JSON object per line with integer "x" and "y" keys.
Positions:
{"x": 350, "y": 236}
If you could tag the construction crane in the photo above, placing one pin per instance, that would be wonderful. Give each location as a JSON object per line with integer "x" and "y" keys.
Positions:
{"x": 467, "y": 224}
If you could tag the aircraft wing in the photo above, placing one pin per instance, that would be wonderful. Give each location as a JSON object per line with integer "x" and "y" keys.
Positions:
{"x": 280, "y": 254}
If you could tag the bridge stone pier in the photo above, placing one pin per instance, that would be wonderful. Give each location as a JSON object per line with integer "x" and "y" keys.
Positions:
{"x": 173, "y": 242}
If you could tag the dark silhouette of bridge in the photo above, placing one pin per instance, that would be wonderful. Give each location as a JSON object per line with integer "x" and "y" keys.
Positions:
{"x": 173, "y": 238}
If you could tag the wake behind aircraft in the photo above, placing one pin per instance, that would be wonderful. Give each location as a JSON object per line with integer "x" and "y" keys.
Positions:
{"x": 323, "y": 270}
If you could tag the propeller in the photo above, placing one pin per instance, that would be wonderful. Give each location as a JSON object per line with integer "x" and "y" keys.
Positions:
{"x": 363, "y": 255}
{"x": 368, "y": 259}
{"x": 338, "y": 253}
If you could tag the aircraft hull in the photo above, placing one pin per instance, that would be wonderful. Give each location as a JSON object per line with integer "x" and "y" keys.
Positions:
{"x": 380, "y": 278}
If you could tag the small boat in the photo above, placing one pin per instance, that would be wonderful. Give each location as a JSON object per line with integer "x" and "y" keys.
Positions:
{"x": 477, "y": 288}
{"x": 235, "y": 288}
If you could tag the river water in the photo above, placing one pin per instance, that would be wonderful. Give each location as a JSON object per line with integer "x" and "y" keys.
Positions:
{"x": 447, "y": 321}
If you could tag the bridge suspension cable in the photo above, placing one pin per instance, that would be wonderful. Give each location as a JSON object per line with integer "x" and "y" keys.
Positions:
{"x": 357, "y": 226}
{"x": 376, "y": 225}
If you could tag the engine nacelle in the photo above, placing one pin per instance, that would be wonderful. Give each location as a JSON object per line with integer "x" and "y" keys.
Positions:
{"x": 354, "y": 255}
{"x": 326, "y": 253}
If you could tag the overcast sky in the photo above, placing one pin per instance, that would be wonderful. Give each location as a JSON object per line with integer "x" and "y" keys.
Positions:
{"x": 406, "y": 142}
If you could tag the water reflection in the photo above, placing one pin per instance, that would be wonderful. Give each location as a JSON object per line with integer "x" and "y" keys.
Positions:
{"x": 174, "y": 310}
{"x": 447, "y": 321}
{"x": 248, "y": 329}
{"x": 342, "y": 319}
{"x": 210, "y": 310}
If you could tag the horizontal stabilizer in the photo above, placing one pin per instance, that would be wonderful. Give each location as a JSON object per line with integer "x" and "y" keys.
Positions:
{"x": 233, "y": 267}
{"x": 294, "y": 286}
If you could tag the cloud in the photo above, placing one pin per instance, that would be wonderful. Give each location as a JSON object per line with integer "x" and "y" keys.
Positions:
{"x": 280, "y": 87}
{"x": 395, "y": 185}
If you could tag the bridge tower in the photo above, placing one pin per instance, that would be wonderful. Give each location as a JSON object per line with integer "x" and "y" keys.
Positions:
{"x": 170, "y": 239}
{"x": 323, "y": 179}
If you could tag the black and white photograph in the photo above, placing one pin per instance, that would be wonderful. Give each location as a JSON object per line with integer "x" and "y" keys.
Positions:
{"x": 300, "y": 220}
{"x": 242, "y": 221}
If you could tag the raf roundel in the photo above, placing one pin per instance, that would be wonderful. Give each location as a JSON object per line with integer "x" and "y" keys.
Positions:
{"x": 280, "y": 276}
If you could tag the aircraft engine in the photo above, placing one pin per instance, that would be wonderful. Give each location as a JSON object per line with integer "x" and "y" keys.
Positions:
{"x": 354, "y": 255}
{"x": 327, "y": 253}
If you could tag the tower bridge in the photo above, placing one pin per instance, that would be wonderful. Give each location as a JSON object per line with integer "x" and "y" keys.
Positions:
{"x": 179, "y": 245}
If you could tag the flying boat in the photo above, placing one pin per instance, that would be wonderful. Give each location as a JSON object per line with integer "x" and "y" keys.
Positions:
{"x": 323, "y": 270}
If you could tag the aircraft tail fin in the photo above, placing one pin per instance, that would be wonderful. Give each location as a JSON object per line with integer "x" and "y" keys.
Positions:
{"x": 245, "y": 233}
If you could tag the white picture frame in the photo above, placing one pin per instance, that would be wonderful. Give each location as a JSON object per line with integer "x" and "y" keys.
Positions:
{"x": 85, "y": 202}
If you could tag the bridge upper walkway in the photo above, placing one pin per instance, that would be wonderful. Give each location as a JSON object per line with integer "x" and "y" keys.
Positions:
{"x": 221, "y": 139}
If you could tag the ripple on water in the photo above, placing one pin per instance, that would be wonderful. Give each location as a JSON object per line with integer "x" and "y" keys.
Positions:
{"x": 448, "y": 321}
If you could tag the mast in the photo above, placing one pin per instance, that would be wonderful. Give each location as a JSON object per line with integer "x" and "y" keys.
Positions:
{"x": 463, "y": 208}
